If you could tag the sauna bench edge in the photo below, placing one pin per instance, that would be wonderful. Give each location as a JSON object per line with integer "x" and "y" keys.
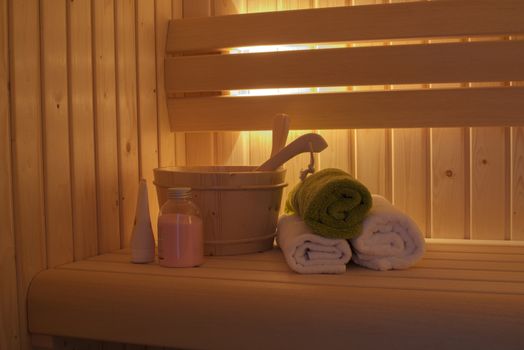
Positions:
{"x": 460, "y": 296}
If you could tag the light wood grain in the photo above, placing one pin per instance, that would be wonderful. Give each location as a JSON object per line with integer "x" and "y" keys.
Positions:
{"x": 375, "y": 65}
{"x": 9, "y": 326}
{"x": 409, "y": 20}
{"x": 231, "y": 148}
{"x": 411, "y": 164}
{"x": 27, "y": 163}
{"x": 57, "y": 176}
{"x": 449, "y": 168}
{"x": 147, "y": 99}
{"x": 411, "y": 174}
{"x": 373, "y": 156}
{"x": 260, "y": 141}
{"x": 488, "y": 173}
{"x": 260, "y": 288}
{"x": 517, "y": 214}
{"x": 177, "y": 11}
{"x": 200, "y": 148}
{"x": 106, "y": 126}
{"x": 300, "y": 162}
{"x": 166, "y": 139}
{"x": 83, "y": 175}
{"x": 128, "y": 147}
{"x": 420, "y": 108}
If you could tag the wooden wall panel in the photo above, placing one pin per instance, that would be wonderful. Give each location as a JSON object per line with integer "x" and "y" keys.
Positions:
{"x": 28, "y": 181}
{"x": 340, "y": 140}
{"x": 411, "y": 174}
{"x": 373, "y": 160}
{"x": 516, "y": 197}
{"x": 517, "y": 190}
{"x": 177, "y": 11}
{"x": 231, "y": 148}
{"x": 411, "y": 165}
{"x": 200, "y": 147}
{"x": 147, "y": 98}
{"x": 450, "y": 173}
{"x": 488, "y": 183}
{"x": 81, "y": 119}
{"x": 296, "y": 164}
{"x": 106, "y": 126}
{"x": 126, "y": 85}
{"x": 373, "y": 146}
{"x": 166, "y": 138}
{"x": 9, "y": 323}
{"x": 260, "y": 141}
{"x": 57, "y": 177}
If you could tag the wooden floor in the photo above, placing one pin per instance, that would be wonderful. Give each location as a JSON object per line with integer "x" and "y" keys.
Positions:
{"x": 459, "y": 296}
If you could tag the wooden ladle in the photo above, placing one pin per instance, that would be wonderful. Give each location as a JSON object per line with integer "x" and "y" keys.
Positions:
{"x": 306, "y": 143}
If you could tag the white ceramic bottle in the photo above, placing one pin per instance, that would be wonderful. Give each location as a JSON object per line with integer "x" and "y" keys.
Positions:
{"x": 142, "y": 239}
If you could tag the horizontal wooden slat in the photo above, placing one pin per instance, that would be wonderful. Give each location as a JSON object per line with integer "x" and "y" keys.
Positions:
{"x": 502, "y": 106}
{"x": 482, "y": 272}
{"x": 399, "y": 64}
{"x": 403, "y": 20}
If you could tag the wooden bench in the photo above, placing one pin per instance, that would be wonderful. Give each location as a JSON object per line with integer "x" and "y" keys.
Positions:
{"x": 460, "y": 296}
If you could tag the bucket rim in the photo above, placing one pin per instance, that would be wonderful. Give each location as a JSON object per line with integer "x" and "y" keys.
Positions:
{"x": 220, "y": 169}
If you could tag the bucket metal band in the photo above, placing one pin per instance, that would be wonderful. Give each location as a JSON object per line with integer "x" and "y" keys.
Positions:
{"x": 239, "y": 188}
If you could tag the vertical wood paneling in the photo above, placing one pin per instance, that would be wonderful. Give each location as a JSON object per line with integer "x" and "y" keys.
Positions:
{"x": 260, "y": 141}
{"x": 106, "y": 126}
{"x": 28, "y": 186}
{"x": 9, "y": 326}
{"x": 411, "y": 166}
{"x": 373, "y": 160}
{"x": 231, "y": 148}
{"x": 81, "y": 116}
{"x": 59, "y": 217}
{"x": 200, "y": 147}
{"x": 488, "y": 192}
{"x": 177, "y": 11}
{"x": 339, "y": 151}
{"x": 166, "y": 139}
{"x": 449, "y": 169}
{"x": 489, "y": 180}
{"x": 373, "y": 146}
{"x": 410, "y": 159}
{"x": 147, "y": 98}
{"x": 296, "y": 164}
{"x": 339, "y": 140}
{"x": 516, "y": 199}
{"x": 127, "y": 114}
{"x": 517, "y": 214}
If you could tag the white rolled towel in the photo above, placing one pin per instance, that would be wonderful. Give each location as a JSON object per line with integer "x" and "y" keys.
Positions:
{"x": 390, "y": 239}
{"x": 306, "y": 252}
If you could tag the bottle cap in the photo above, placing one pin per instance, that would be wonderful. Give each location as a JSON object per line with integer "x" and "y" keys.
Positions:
{"x": 179, "y": 192}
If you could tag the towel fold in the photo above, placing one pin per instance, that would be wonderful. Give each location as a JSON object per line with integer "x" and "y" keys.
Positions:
{"x": 331, "y": 202}
{"x": 390, "y": 239}
{"x": 306, "y": 252}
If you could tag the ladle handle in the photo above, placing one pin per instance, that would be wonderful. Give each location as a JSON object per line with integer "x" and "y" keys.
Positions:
{"x": 305, "y": 143}
{"x": 280, "y": 132}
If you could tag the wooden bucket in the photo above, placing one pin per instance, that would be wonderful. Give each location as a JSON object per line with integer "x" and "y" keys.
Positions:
{"x": 239, "y": 206}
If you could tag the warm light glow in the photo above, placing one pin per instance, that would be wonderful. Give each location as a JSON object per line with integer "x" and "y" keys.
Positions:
{"x": 285, "y": 91}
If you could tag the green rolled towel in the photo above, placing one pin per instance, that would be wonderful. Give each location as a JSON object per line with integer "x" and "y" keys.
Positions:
{"x": 331, "y": 202}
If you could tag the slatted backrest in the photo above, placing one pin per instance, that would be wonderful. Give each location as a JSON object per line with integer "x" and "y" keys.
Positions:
{"x": 198, "y": 67}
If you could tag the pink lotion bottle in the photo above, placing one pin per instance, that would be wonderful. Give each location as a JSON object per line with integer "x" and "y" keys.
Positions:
{"x": 180, "y": 230}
